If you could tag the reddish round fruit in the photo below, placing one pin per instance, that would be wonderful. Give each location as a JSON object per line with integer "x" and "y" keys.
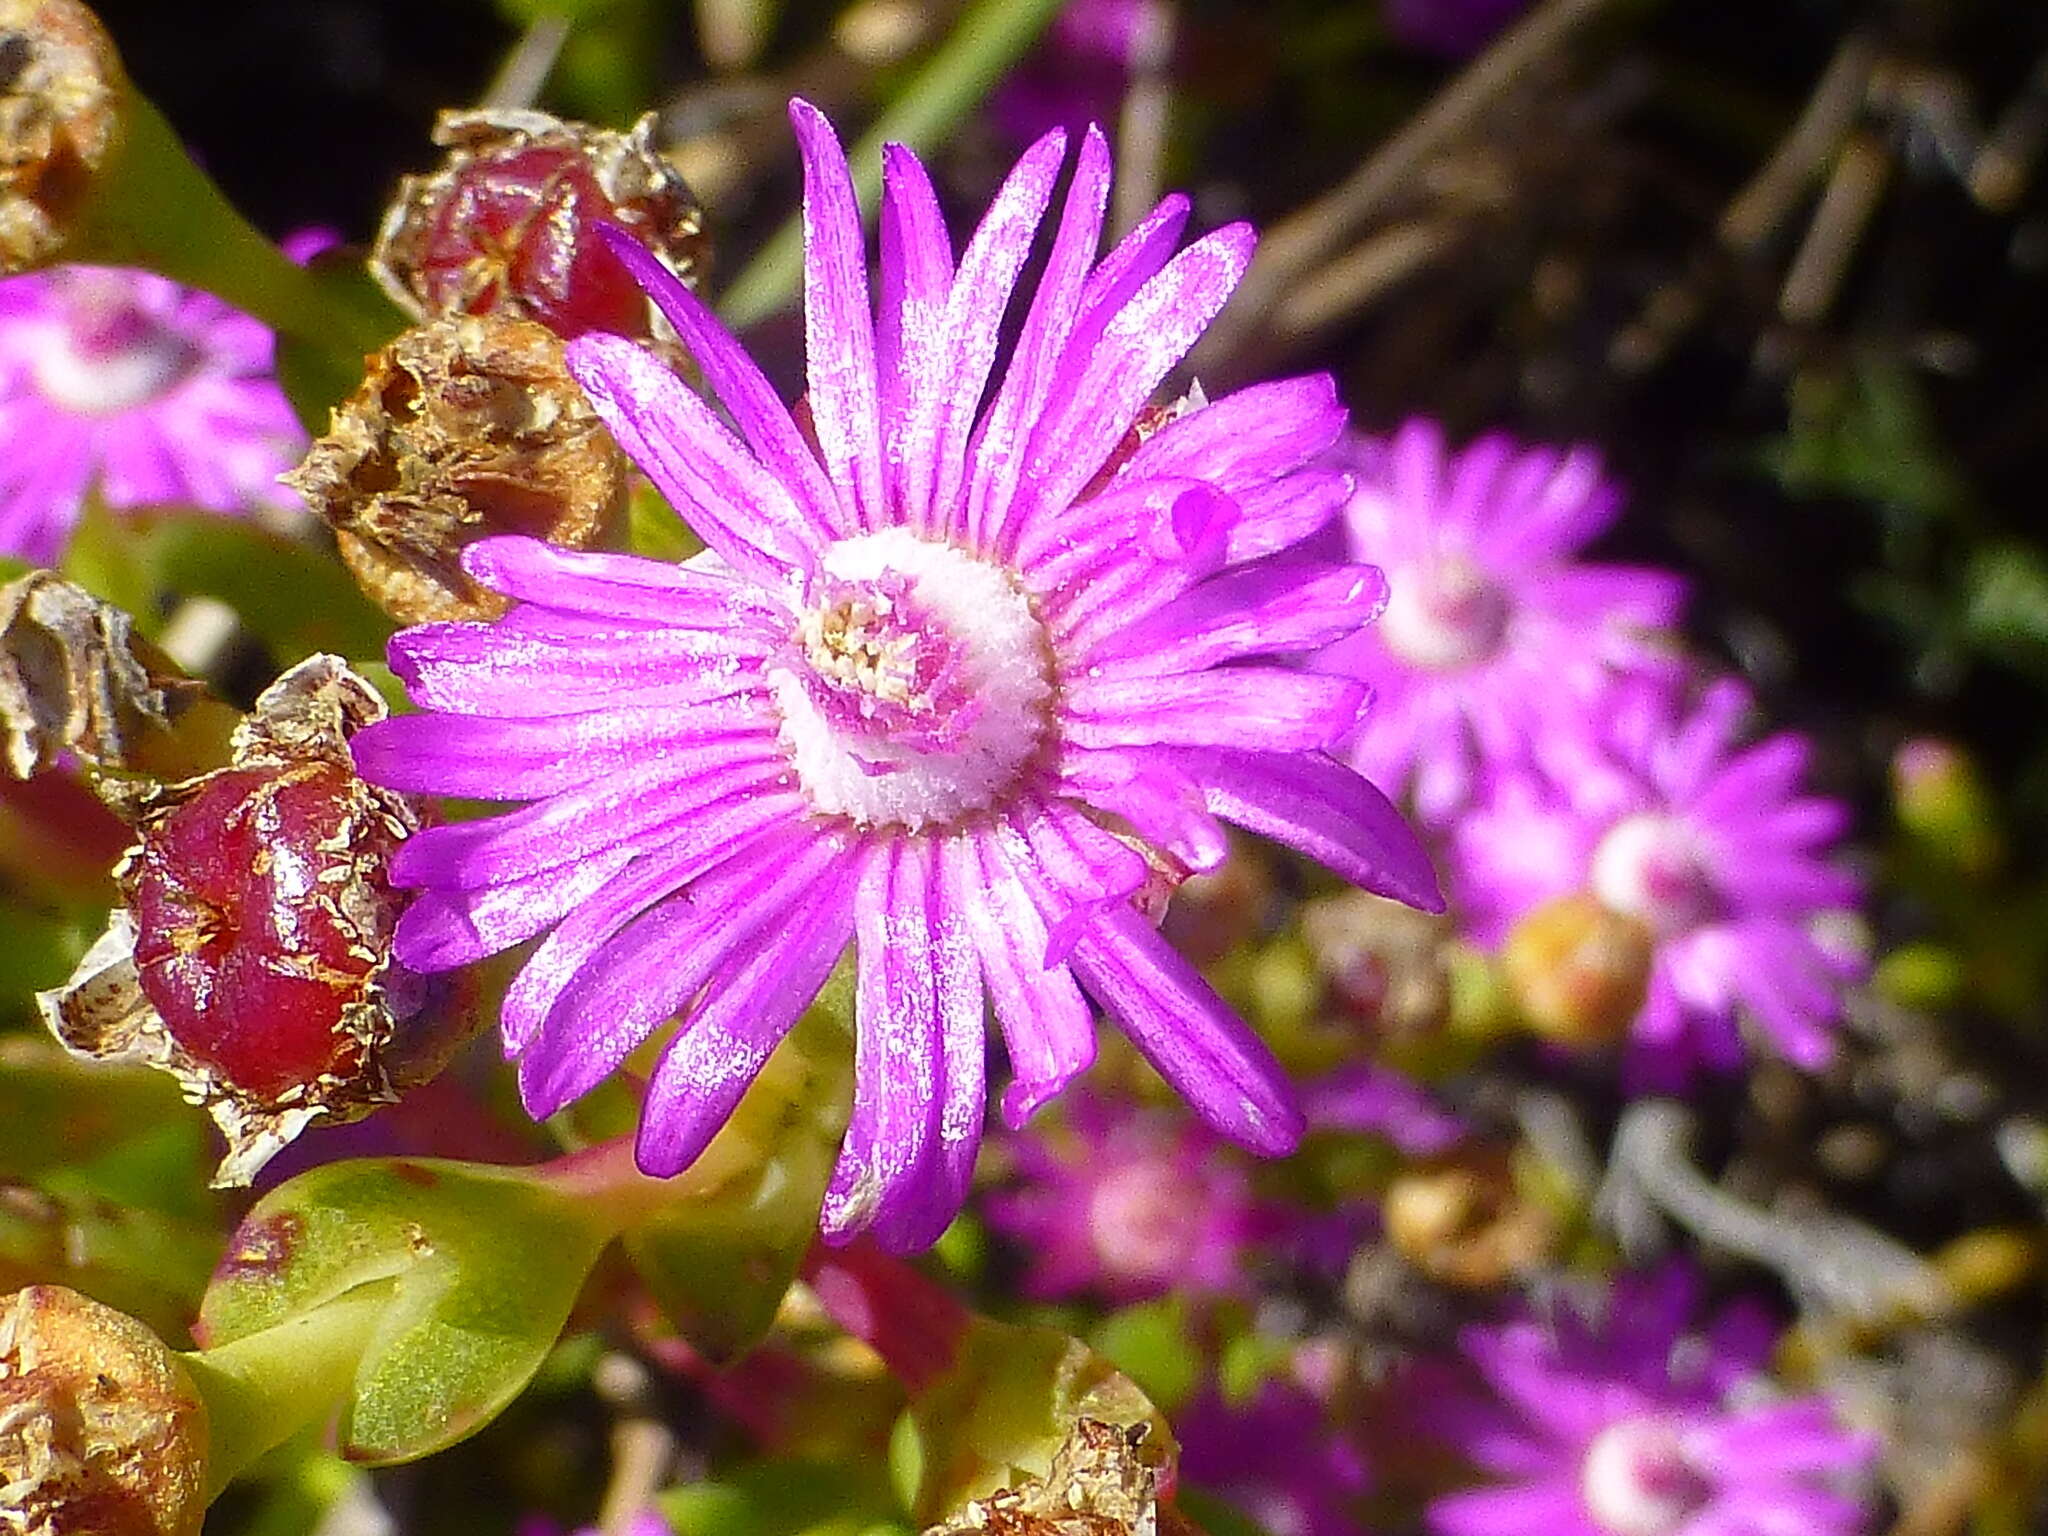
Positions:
{"x": 262, "y": 918}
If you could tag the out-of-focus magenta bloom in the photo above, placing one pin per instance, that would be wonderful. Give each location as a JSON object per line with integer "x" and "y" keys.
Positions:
{"x": 124, "y": 383}
{"x": 1125, "y": 1203}
{"x": 1368, "y": 1099}
{"x": 1495, "y": 631}
{"x": 1451, "y": 29}
{"x": 646, "y": 1523}
{"x": 1275, "y": 1458}
{"x": 1629, "y": 1422}
{"x": 1078, "y": 73}
{"x": 1714, "y": 847}
{"x": 927, "y": 665}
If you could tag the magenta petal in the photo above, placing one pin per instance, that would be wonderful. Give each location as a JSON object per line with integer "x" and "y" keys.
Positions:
{"x": 1250, "y": 610}
{"x": 1268, "y": 707}
{"x": 1319, "y": 807}
{"x": 1149, "y": 791}
{"x": 1249, "y": 437}
{"x": 910, "y": 335}
{"x": 738, "y": 381}
{"x": 603, "y": 585}
{"x": 729, "y": 1035}
{"x": 896, "y": 1052}
{"x": 441, "y": 930}
{"x": 738, "y": 508}
{"x": 839, "y": 335}
{"x": 1279, "y": 515}
{"x": 1188, "y": 1033}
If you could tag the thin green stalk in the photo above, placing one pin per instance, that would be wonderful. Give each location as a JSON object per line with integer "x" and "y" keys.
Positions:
{"x": 991, "y": 37}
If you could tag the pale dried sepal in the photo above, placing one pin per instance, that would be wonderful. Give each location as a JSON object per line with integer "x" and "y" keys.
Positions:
{"x": 101, "y": 1013}
{"x": 463, "y": 427}
{"x": 61, "y": 93}
{"x": 73, "y": 678}
{"x": 102, "y": 1432}
{"x": 1101, "y": 1483}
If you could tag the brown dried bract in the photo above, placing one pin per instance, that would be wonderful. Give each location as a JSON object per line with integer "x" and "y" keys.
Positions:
{"x": 102, "y": 1013}
{"x": 102, "y": 1432}
{"x": 73, "y": 678}
{"x": 1101, "y": 1483}
{"x": 61, "y": 89}
{"x": 463, "y": 427}
{"x": 506, "y": 225}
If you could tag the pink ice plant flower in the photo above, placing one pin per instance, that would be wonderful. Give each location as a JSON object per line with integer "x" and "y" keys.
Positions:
{"x": 1277, "y": 1458}
{"x": 125, "y": 384}
{"x": 933, "y": 691}
{"x": 1629, "y": 1419}
{"x": 1125, "y": 1202}
{"x": 1495, "y": 631}
{"x": 1715, "y": 846}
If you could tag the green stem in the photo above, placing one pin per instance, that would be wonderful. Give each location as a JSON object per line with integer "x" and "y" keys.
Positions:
{"x": 989, "y": 39}
{"x": 263, "y": 1389}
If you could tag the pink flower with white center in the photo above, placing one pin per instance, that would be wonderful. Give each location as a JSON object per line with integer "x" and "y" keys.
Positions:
{"x": 124, "y": 384}
{"x": 1495, "y": 631}
{"x": 1713, "y": 847}
{"x": 1628, "y": 1422}
{"x": 934, "y": 692}
{"x": 1125, "y": 1203}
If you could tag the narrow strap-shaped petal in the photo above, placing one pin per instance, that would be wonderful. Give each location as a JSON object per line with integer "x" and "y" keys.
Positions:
{"x": 974, "y": 316}
{"x": 1323, "y": 809}
{"x": 485, "y": 759}
{"x": 764, "y": 421}
{"x": 1084, "y": 867}
{"x": 738, "y": 507}
{"x": 498, "y": 670}
{"x": 743, "y": 1015}
{"x": 1270, "y": 607}
{"x": 1100, "y": 391}
{"x": 896, "y": 1047}
{"x": 1248, "y": 437}
{"x": 910, "y": 330}
{"x": 441, "y": 930}
{"x": 661, "y": 959}
{"x": 1162, "y": 804}
{"x": 1188, "y": 1033}
{"x": 1047, "y": 1027}
{"x": 1161, "y": 517}
{"x": 839, "y": 331}
{"x": 1272, "y": 707}
{"x": 1280, "y": 514}
{"x": 604, "y": 585}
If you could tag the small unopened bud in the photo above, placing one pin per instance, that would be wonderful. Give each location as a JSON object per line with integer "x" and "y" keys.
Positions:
{"x": 1467, "y": 1225}
{"x": 102, "y": 1432}
{"x": 61, "y": 94}
{"x": 462, "y": 427}
{"x": 508, "y": 225}
{"x": 1579, "y": 971}
{"x": 253, "y": 958}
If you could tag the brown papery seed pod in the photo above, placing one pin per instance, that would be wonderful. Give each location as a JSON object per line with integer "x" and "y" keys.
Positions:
{"x": 102, "y": 1432}
{"x": 61, "y": 94}
{"x": 507, "y": 225}
{"x": 462, "y": 427}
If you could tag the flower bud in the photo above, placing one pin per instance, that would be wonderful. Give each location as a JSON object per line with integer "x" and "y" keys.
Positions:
{"x": 508, "y": 224}
{"x": 61, "y": 91}
{"x": 1578, "y": 971}
{"x": 102, "y": 1432}
{"x": 1467, "y": 1224}
{"x": 253, "y": 958}
{"x": 462, "y": 427}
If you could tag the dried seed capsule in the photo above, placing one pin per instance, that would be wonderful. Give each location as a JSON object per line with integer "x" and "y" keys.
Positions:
{"x": 102, "y": 1432}
{"x": 61, "y": 98}
{"x": 253, "y": 958}
{"x": 1578, "y": 971}
{"x": 507, "y": 225}
{"x": 462, "y": 427}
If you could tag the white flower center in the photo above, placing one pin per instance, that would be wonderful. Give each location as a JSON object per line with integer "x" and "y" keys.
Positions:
{"x": 916, "y": 687}
{"x": 1143, "y": 1222}
{"x": 1443, "y": 615}
{"x": 106, "y": 355}
{"x": 1650, "y": 867}
{"x": 1637, "y": 1481}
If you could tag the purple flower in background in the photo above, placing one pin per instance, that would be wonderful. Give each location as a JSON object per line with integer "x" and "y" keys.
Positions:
{"x": 1275, "y": 1458}
{"x": 1078, "y": 73}
{"x": 1713, "y": 847}
{"x": 646, "y": 1523}
{"x": 1127, "y": 1203}
{"x": 1495, "y": 632}
{"x": 925, "y": 668}
{"x": 125, "y": 383}
{"x": 1451, "y": 29}
{"x": 1631, "y": 1424}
